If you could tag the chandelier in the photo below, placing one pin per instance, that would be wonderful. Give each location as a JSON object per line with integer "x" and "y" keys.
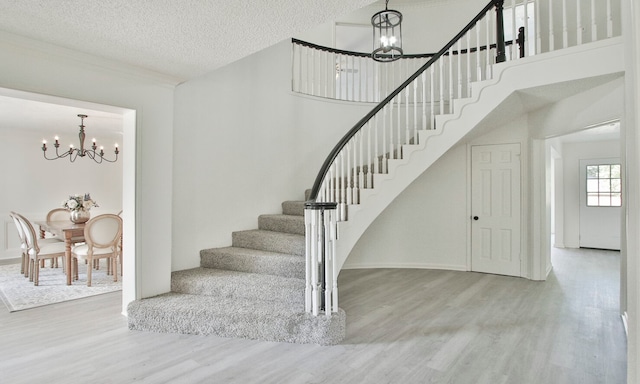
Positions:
{"x": 73, "y": 153}
{"x": 387, "y": 35}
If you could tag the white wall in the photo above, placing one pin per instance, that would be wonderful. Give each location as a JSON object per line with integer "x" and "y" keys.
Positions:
{"x": 572, "y": 153}
{"x": 37, "y": 67}
{"x": 426, "y": 226}
{"x": 243, "y": 144}
{"x": 37, "y": 185}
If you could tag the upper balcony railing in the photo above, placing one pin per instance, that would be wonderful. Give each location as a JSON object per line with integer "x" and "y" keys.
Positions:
{"x": 550, "y": 25}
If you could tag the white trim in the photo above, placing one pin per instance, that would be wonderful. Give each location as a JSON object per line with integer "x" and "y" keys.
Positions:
{"x": 625, "y": 322}
{"x": 462, "y": 268}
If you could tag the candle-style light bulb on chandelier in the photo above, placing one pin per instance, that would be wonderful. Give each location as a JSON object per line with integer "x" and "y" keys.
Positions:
{"x": 73, "y": 153}
{"x": 387, "y": 35}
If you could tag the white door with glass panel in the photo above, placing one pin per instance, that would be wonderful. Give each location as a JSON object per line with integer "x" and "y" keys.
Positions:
{"x": 495, "y": 207}
{"x": 600, "y": 202}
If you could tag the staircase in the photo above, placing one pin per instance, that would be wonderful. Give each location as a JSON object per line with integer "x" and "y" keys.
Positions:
{"x": 256, "y": 288}
{"x": 253, "y": 290}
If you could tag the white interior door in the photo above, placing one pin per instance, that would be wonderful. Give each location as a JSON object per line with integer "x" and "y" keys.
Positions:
{"x": 600, "y": 199}
{"x": 495, "y": 207}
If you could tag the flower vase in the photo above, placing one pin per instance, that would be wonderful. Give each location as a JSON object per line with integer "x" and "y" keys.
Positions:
{"x": 79, "y": 216}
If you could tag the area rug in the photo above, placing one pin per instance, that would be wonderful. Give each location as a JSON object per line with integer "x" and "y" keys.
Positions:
{"x": 18, "y": 293}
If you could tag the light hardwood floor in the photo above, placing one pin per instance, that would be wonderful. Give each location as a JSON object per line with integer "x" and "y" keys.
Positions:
{"x": 403, "y": 326}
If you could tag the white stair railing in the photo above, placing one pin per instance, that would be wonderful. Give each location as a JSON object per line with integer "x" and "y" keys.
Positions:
{"x": 396, "y": 122}
{"x": 321, "y": 288}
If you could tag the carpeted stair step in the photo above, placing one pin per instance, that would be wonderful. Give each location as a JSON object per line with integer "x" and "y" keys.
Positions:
{"x": 269, "y": 241}
{"x": 295, "y": 208}
{"x": 237, "y": 318}
{"x": 282, "y": 223}
{"x": 239, "y": 285}
{"x": 254, "y": 261}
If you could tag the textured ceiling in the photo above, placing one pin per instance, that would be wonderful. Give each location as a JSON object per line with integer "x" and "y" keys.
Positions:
{"x": 179, "y": 38}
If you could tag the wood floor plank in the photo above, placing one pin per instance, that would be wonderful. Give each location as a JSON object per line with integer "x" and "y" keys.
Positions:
{"x": 403, "y": 326}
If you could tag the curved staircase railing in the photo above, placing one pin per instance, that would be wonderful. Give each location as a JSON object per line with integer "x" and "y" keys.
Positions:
{"x": 395, "y": 122}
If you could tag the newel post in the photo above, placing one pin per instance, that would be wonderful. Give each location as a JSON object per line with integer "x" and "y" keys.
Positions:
{"x": 500, "y": 45}
{"x": 321, "y": 276}
{"x": 521, "y": 41}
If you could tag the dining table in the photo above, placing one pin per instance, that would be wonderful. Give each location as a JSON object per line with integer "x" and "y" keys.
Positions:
{"x": 66, "y": 230}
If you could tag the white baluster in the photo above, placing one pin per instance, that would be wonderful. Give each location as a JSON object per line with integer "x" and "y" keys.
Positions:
{"x": 407, "y": 94}
{"x": 364, "y": 79}
{"x": 432, "y": 97}
{"x": 441, "y": 83}
{"x": 514, "y": 32}
{"x": 352, "y": 77}
{"x": 451, "y": 90}
{"x": 333, "y": 183}
{"x": 341, "y": 190}
{"x": 424, "y": 101}
{"x": 459, "y": 47}
{"x": 468, "y": 55}
{"x": 303, "y": 71}
{"x": 538, "y": 28}
{"x": 294, "y": 82}
{"x": 312, "y": 262}
{"x": 361, "y": 174}
{"x": 328, "y": 259}
{"x": 526, "y": 29}
{"x": 609, "y": 20}
{"x": 308, "y": 286}
{"x": 487, "y": 65}
{"x": 334, "y": 265}
{"x": 312, "y": 67}
{"x": 399, "y": 124}
{"x": 387, "y": 111}
{"x": 580, "y": 27}
{"x": 594, "y": 23}
{"x": 376, "y": 167}
{"x": 565, "y": 27}
{"x": 338, "y": 76}
{"x": 389, "y": 154}
{"x": 478, "y": 45}
{"x": 551, "y": 29}
{"x": 356, "y": 150}
{"x": 415, "y": 112}
{"x": 322, "y": 69}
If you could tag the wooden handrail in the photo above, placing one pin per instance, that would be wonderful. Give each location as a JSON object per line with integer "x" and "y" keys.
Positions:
{"x": 360, "y": 124}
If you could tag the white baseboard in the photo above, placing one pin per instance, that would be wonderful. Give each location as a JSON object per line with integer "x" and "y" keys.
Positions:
{"x": 449, "y": 267}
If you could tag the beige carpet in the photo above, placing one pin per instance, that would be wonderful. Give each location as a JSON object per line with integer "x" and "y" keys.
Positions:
{"x": 18, "y": 293}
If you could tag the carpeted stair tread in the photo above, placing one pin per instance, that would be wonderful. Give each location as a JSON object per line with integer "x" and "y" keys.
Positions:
{"x": 236, "y": 318}
{"x": 269, "y": 241}
{"x": 294, "y": 208}
{"x": 282, "y": 223}
{"x": 233, "y": 284}
{"x": 255, "y": 261}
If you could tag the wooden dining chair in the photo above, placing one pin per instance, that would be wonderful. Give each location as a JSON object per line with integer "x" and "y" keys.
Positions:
{"x": 24, "y": 263}
{"x": 58, "y": 214}
{"x": 102, "y": 241}
{"x": 62, "y": 214}
{"x": 24, "y": 258}
{"x": 38, "y": 251}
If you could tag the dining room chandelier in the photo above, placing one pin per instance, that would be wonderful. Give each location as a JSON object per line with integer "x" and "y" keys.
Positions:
{"x": 387, "y": 35}
{"x": 94, "y": 153}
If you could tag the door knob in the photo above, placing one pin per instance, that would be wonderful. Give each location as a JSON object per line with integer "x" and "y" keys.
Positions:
{"x": 475, "y": 217}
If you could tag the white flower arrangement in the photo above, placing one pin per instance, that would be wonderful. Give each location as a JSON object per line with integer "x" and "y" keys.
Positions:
{"x": 79, "y": 203}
